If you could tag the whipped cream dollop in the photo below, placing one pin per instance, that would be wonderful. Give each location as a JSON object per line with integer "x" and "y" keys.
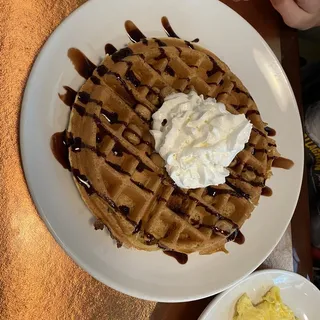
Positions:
{"x": 198, "y": 139}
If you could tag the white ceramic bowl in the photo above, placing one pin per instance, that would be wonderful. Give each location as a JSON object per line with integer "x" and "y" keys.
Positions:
{"x": 298, "y": 293}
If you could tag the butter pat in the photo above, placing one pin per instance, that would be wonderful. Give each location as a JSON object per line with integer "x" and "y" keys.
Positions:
{"x": 198, "y": 139}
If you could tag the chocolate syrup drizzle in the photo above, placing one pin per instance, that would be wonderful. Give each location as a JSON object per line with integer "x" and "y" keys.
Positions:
{"x": 237, "y": 237}
{"x": 61, "y": 142}
{"x": 167, "y": 27}
{"x": 130, "y": 76}
{"x": 76, "y": 145}
{"x": 182, "y": 258}
{"x": 68, "y": 97}
{"x": 111, "y": 117}
{"x": 81, "y": 63}
{"x": 250, "y": 112}
{"x": 60, "y": 149}
{"x": 104, "y": 131}
{"x": 170, "y": 33}
{"x": 212, "y": 191}
{"x": 134, "y": 33}
{"x": 271, "y": 132}
{"x": 110, "y": 49}
{"x": 266, "y": 191}
{"x": 255, "y": 150}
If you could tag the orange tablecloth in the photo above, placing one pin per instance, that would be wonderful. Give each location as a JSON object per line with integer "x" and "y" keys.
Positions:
{"x": 37, "y": 279}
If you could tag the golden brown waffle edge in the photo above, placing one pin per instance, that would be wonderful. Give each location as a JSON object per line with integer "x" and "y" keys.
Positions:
{"x": 120, "y": 176}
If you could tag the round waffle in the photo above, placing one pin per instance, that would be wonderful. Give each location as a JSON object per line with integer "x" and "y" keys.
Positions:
{"x": 123, "y": 180}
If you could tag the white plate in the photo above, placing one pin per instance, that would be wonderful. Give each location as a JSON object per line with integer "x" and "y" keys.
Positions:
{"x": 298, "y": 293}
{"x": 155, "y": 276}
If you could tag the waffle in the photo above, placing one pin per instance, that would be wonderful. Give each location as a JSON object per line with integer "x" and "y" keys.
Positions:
{"x": 123, "y": 180}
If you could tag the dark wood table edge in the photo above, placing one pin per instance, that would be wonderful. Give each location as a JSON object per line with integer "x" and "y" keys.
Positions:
{"x": 300, "y": 223}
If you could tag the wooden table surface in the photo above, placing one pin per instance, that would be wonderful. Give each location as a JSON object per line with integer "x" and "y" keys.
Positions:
{"x": 37, "y": 279}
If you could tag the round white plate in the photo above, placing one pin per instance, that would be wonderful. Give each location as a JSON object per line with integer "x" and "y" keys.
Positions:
{"x": 155, "y": 276}
{"x": 298, "y": 293}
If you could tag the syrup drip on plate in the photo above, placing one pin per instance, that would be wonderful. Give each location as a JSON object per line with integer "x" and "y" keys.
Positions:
{"x": 182, "y": 258}
{"x": 68, "y": 97}
{"x": 237, "y": 237}
{"x": 110, "y": 49}
{"x": 59, "y": 147}
{"x": 266, "y": 191}
{"x": 133, "y": 31}
{"x": 167, "y": 27}
{"x": 81, "y": 63}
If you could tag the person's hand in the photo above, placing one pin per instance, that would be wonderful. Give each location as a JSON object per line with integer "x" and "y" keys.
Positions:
{"x": 300, "y": 14}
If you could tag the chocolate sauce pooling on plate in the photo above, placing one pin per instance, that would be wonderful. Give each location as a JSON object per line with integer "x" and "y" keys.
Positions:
{"x": 167, "y": 26}
{"x": 182, "y": 258}
{"x": 266, "y": 191}
{"x": 133, "y": 31}
{"x": 109, "y": 49}
{"x": 81, "y": 63}
{"x": 59, "y": 147}
{"x": 69, "y": 97}
{"x": 237, "y": 237}
{"x": 240, "y": 239}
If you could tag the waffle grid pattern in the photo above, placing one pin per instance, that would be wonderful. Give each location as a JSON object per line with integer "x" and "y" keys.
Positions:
{"x": 115, "y": 155}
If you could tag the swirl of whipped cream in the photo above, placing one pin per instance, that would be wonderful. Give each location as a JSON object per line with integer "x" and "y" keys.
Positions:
{"x": 198, "y": 139}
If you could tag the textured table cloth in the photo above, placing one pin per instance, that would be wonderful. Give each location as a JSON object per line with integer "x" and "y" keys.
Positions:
{"x": 37, "y": 279}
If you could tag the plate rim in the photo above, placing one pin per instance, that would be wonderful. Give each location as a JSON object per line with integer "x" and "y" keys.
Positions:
{"x": 206, "y": 312}
{"x": 80, "y": 262}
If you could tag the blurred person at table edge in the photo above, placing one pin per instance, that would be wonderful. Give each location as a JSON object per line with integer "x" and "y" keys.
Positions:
{"x": 299, "y": 14}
